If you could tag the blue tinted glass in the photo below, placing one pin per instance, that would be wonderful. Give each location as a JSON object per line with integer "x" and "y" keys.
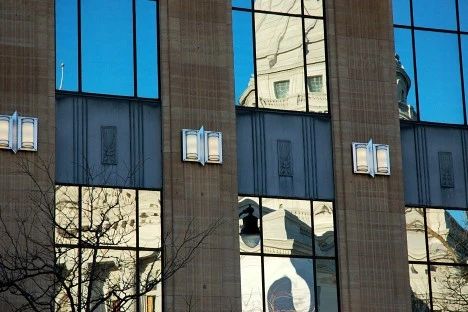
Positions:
{"x": 242, "y": 4}
{"x": 439, "y": 84}
{"x": 107, "y": 46}
{"x": 464, "y": 45}
{"x": 463, "y": 13}
{"x": 147, "y": 52}
{"x": 435, "y": 14}
{"x": 401, "y": 12}
{"x": 243, "y": 58}
{"x": 66, "y": 48}
{"x": 404, "y": 52}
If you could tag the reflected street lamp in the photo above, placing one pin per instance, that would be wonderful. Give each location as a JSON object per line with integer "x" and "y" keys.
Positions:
{"x": 250, "y": 232}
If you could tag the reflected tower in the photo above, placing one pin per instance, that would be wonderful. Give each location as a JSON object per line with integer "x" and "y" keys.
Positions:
{"x": 406, "y": 111}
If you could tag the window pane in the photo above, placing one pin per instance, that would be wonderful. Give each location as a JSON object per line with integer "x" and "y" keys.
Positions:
{"x": 149, "y": 203}
{"x": 107, "y": 46}
{"x": 243, "y": 58}
{"x": 439, "y": 84}
{"x": 292, "y": 6}
{"x": 150, "y": 269}
{"x": 464, "y": 46}
{"x": 251, "y": 283}
{"x": 279, "y": 50}
{"x": 249, "y": 224}
{"x": 242, "y": 4}
{"x": 405, "y": 73}
{"x": 112, "y": 276}
{"x": 108, "y": 217}
{"x": 449, "y": 288}
{"x": 313, "y": 7}
{"x": 326, "y": 286}
{"x": 316, "y": 67}
{"x": 430, "y": 13}
{"x": 286, "y": 226}
{"x": 415, "y": 234}
{"x": 281, "y": 89}
{"x": 66, "y": 50}
{"x": 324, "y": 229}
{"x": 67, "y": 214}
{"x": 463, "y": 13}
{"x": 67, "y": 290}
{"x": 401, "y": 12}
{"x": 147, "y": 52}
{"x": 289, "y": 284}
{"x": 420, "y": 298}
{"x": 447, "y": 234}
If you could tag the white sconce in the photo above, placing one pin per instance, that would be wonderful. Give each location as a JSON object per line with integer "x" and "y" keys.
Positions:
{"x": 202, "y": 146}
{"x": 18, "y": 133}
{"x": 369, "y": 158}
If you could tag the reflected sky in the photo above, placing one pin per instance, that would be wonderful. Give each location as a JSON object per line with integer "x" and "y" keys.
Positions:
{"x": 438, "y": 60}
{"x": 108, "y": 51}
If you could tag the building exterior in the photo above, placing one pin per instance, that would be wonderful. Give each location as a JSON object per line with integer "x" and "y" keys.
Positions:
{"x": 286, "y": 223}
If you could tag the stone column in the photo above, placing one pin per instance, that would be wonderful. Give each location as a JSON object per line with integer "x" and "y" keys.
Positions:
{"x": 197, "y": 89}
{"x": 372, "y": 248}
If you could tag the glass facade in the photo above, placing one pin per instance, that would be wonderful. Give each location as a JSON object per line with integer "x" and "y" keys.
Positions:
{"x": 107, "y": 47}
{"x": 287, "y": 255}
{"x": 432, "y": 53}
{"x": 278, "y": 47}
{"x": 107, "y": 241}
{"x": 438, "y": 254}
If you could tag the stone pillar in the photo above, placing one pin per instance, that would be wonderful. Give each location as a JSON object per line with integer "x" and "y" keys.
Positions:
{"x": 27, "y": 85}
{"x": 197, "y": 89}
{"x": 372, "y": 250}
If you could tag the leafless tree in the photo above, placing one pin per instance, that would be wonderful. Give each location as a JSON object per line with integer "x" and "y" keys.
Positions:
{"x": 74, "y": 250}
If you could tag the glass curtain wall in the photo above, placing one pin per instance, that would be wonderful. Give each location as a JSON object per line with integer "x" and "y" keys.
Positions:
{"x": 107, "y": 47}
{"x": 280, "y": 55}
{"x": 431, "y": 46}
{"x": 288, "y": 255}
{"x": 438, "y": 255}
{"x": 108, "y": 244}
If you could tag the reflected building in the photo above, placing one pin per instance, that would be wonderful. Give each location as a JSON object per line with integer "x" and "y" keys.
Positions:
{"x": 403, "y": 83}
{"x": 437, "y": 251}
{"x": 295, "y": 250}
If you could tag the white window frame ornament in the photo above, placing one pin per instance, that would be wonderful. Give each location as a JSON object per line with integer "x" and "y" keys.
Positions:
{"x": 372, "y": 159}
{"x": 204, "y": 147}
{"x": 18, "y": 133}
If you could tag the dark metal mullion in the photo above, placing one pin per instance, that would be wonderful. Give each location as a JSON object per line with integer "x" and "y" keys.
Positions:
{"x": 158, "y": 61}
{"x": 80, "y": 75}
{"x": 262, "y": 254}
{"x": 137, "y": 252}
{"x": 325, "y": 41}
{"x": 80, "y": 243}
{"x": 428, "y": 266}
{"x": 415, "y": 70}
{"x": 304, "y": 58}
{"x": 254, "y": 55}
{"x": 314, "y": 260}
{"x": 337, "y": 275}
{"x": 460, "y": 55}
{"x": 134, "y": 32}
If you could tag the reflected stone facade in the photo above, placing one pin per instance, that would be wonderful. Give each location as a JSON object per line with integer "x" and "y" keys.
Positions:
{"x": 295, "y": 250}
{"x": 438, "y": 252}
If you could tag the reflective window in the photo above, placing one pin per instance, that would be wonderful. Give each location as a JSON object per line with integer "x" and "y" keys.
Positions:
{"x": 431, "y": 62}
{"x": 277, "y": 46}
{"x": 276, "y": 239}
{"x": 438, "y": 254}
{"x": 107, "y": 47}
{"x": 96, "y": 244}
{"x": 315, "y": 83}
